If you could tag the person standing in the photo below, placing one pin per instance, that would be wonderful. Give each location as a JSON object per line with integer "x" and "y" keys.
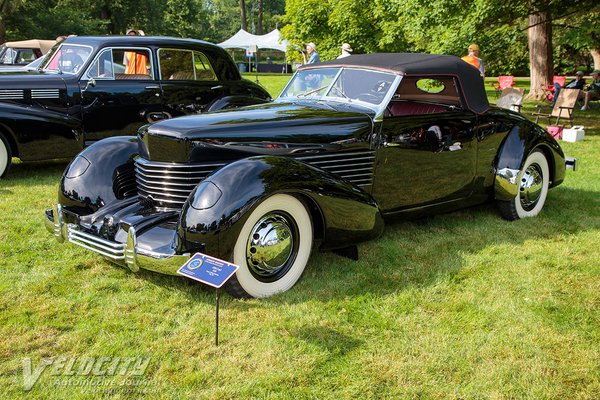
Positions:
{"x": 311, "y": 52}
{"x": 135, "y": 63}
{"x": 474, "y": 60}
{"x": 346, "y": 51}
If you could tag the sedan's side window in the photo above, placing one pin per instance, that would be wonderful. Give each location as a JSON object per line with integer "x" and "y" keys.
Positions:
{"x": 121, "y": 64}
{"x": 184, "y": 65}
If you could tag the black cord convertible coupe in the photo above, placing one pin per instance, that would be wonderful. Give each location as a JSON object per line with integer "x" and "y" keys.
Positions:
{"x": 347, "y": 143}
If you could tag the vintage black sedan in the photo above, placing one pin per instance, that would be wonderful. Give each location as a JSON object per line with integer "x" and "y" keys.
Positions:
{"x": 90, "y": 88}
{"x": 347, "y": 144}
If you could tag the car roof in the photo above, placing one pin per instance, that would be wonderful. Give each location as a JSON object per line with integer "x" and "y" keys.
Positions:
{"x": 132, "y": 40}
{"x": 417, "y": 64}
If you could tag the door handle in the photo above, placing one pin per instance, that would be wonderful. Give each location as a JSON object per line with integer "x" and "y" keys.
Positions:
{"x": 153, "y": 87}
{"x": 216, "y": 87}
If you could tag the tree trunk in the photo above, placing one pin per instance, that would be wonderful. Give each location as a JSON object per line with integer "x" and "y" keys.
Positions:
{"x": 243, "y": 15}
{"x": 540, "y": 53}
{"x": 596, "y": 57}
{"x": 2, "y": 31}
{"x": 259, "y": 28}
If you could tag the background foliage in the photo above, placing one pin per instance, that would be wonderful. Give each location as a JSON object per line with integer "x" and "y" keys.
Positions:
{"x": 440, "y": 26}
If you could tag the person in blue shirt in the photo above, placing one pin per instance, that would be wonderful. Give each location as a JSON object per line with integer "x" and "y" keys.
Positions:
{"x": 576, "y": 83}
{"x": 311, "y": 52}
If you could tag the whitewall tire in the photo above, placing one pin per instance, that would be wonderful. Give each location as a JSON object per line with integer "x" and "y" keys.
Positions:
{"x": 272, "y": 248}
{"x": 533, "y": 189}
{"x": 5, "y": 156}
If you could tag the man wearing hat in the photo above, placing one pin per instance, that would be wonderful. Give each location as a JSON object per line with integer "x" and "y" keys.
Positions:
{"x": 346, "y": 51}
{"x": 474, "y": 60}
{"x": 576, "y": 83}
{"x": 313, "y": 56}
{"x": 593, "y": 92}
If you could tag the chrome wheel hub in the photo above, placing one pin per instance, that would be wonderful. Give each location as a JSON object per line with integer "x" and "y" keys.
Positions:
{"x": 271, "y": 246}
{"x": 531, "y": 187}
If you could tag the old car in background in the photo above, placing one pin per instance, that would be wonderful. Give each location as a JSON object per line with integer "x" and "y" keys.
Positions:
{"x": 348, "y": 143}
{"x": 90, "y": 88}
{"x": 21, "y": 53}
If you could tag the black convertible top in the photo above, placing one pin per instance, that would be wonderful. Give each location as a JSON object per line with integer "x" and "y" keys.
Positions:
{"x": 416, "y": 64}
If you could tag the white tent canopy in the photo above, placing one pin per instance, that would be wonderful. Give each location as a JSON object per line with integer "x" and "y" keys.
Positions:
{"x": 243, "y": 40}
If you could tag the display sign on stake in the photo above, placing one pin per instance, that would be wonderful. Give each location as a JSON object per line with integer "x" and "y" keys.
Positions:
{"x": 211, "y": 271}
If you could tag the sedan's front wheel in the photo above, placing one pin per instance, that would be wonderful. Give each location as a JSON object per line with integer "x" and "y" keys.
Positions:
{"x": 272, "y": 248}
{"x": 5, "y": 156}
{"x": 533, "y": 189}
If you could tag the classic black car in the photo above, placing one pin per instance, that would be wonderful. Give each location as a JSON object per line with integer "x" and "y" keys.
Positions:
{"x": 348, "y": 143}
{"x": 90, "y": 88}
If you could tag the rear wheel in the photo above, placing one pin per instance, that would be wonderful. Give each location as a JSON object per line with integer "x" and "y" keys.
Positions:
{"x": 5, "y": 156}
{"x": 272, "y": 248}
{"x": 533, "y": 189}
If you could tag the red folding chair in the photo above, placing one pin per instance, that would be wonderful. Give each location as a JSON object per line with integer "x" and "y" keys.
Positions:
{"x": 504, "y": 82}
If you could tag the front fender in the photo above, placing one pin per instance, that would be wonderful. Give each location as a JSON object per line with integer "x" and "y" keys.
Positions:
{"x": 100, "y": 174}
{"x": 217, "y": 209}
{"x": 518, "y": 144}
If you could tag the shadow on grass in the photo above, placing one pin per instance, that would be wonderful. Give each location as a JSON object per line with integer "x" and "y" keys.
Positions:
{"x": 415, "y": 254}
{"x": 37, "y": 171}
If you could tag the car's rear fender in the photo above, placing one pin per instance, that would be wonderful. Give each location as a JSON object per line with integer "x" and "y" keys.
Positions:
{"x": 520, "y": 142}
{"x": 212, "y": 217}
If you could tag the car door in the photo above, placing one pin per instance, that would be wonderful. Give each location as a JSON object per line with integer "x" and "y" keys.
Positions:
{"x": 119, "y": 93}
{"x": 188, "y": 81}
{"x": 428, "y": 154}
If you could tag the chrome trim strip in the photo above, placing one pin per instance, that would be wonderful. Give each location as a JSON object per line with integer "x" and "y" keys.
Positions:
{"x": 343, "y": 154}
{"x": 160, "y": 164}
{"x": 45, "y": 93}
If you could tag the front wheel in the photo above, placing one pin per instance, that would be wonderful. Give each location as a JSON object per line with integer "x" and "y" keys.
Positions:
{"x": 533, "y": 189}
{"x": 272, "y": 248}
{"x": 5, "y": 156}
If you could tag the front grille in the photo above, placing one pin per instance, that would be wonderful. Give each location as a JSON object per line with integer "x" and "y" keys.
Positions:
{"x": 170, "y": 184}
{"x": 354, "y": 166}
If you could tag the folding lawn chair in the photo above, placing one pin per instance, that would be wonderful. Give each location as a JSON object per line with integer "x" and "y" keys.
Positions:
{"x": 563, "y": 107}
{"x": 511, "y": 99}
{"x": 504, "y": 82}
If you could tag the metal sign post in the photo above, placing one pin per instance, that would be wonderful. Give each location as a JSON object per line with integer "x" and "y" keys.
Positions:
{"x": 211, "y": 271}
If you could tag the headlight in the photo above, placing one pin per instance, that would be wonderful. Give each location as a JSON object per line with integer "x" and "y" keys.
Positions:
{"x": 77, "y": 167}
{"x": 205, "y": 196}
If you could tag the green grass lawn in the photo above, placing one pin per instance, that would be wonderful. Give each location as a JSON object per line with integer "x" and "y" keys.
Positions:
{"x": 457, "y": 306}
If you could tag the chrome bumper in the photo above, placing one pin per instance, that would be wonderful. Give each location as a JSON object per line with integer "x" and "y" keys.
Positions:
{"x": 571, "y": 163}
{"x": 126, "y": 254}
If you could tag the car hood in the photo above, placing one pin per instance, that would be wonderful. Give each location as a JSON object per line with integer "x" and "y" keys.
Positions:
{"x": 12, "y": 79}
{"x": 274, "y": 128}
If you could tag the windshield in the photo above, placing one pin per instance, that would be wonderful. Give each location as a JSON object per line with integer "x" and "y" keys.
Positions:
{"x": 68, "y": 58}
{"x": 344, "y": 84}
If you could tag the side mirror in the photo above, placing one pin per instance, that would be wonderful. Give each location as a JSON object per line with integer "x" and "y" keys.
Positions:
{"x": 91, "y": 82}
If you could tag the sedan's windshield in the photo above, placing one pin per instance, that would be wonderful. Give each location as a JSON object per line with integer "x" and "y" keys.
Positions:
{"x": 68, "y": 58}
{"x": 344, "y": 84}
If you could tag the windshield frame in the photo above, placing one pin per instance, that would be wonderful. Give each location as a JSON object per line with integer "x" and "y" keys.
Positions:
{"x": 378, "y": 108}
{"x": 44, "y": 65}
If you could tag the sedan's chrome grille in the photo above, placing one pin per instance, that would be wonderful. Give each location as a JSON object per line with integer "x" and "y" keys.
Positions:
{"x": 11, "y": 94}
{"x": 112, "y": 250}
{"x": 354, "y": 166}
{"x": 170, "y": 184}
